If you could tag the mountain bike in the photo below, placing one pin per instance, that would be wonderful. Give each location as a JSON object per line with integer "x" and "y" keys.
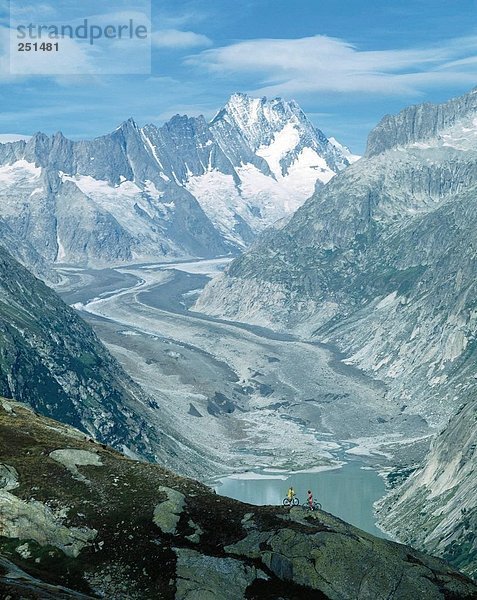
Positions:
{"x": 293, "y": 502}
{"x": 315, "y": 506}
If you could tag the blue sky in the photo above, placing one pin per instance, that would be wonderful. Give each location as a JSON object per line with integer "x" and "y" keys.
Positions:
{"x": 347, "y": 63}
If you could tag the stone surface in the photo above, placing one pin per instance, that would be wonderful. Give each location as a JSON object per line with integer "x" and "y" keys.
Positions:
{"x": 168, "y": 513}
{"x": 8, "y": 478}
{"x": 16, "y": 584}
{"x": 127, "y": 534}
{"x": 202, "y": 577}
{"x": 33, "y": 520}
{"x": 194, "y": 537}
{"x": 72, "y": 459}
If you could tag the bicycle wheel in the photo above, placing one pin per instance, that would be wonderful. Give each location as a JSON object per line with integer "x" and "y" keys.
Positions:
{"x": 317, "y": 506}
{"x": 286, "y": 502}
{"x": 296, "y": 502}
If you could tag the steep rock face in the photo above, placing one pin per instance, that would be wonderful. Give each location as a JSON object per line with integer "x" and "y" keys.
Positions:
{"x": 179, "y": 190}
{"x": 250, "y": 127}
{"x": 420, "y": 123}
{"x": 99, "y": 201}
{"x": 278, "y": 158}
{"x": 439, "y": 498}
{"x": 25, "y": 254}
{"x": 191, "y": 156}
{"x": 254, "y": 163}
{"x": 382, "y": 263}
{"x": 125, "y": 529}
{"x": 51, "y": 359}
{"x": 379, "y": 261}
{"x": 187, "y": 147}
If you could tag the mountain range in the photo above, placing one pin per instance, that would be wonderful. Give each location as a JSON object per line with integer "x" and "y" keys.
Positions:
{"x": 381, "y": 262}
{"x": 188, "y": 188}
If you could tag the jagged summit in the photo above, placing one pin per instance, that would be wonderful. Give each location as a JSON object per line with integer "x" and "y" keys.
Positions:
{"x": 278, "y": 131}
{"x": 424, "y": 122}
{"x": 259, "y": 115}
{"x": 261, "y": 120}
{"x": 187, "y": 188}
{"x": 127, "y": 127}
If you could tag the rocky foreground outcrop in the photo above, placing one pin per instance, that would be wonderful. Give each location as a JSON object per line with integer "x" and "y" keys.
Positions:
{"x": 79, "y": 520}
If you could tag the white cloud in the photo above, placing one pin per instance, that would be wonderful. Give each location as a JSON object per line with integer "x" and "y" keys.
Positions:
{"x": 325, "y": 64}
{"x": 175, "y": 38}
{"x": 13, "y": 137}
{"x": 181, "y": 17}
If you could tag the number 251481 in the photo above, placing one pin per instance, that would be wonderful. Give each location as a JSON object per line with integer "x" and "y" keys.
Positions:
{"x": 36, "y": 47}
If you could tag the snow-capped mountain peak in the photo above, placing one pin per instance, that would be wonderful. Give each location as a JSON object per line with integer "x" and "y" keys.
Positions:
{"x": 260, "y": 119}
{"x": 278, "y": 157}
{"x": 184, "y": 188}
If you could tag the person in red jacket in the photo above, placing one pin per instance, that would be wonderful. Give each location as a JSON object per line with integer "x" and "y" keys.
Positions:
{"x": 310, "y": 500}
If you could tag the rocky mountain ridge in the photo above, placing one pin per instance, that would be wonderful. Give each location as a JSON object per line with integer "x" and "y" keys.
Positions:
{"x": 78, "y": 201}
{"x": 82, "y": 521}
{"x": 188, "y": 188}
{"x": 421, "y": 123}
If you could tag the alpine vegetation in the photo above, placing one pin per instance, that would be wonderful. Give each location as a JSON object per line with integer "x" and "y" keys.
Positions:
{"x": 104, "y": 526}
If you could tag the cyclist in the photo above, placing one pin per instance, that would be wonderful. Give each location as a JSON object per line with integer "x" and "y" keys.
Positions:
{"x": 310, "y": 500}
{"x": 291, "y": 494}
